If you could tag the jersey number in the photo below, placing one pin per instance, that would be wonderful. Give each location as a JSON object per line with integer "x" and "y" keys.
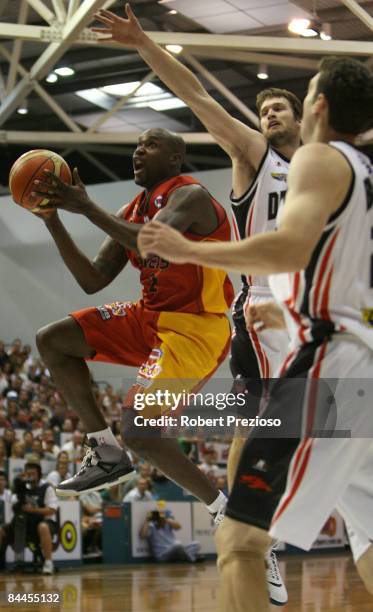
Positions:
{"x": 274, "y": 200}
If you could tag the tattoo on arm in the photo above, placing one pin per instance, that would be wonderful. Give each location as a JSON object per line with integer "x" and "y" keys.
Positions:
{"x": 111, "y": 259}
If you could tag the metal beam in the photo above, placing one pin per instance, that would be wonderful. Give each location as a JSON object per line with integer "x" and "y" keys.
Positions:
{"x": 17, "y": 48}
{"x": 50, "y": 56}
{"x": 246, "y": 57}
{"x": 56, "y": 108}
{"x": 73, "y": 5}
{"x": 252, "y": 117}
{"x": 42, "y": 10}
{"x": 2, "y": 86}
{"x": 104, "y": 169}
{"x": 60, "y": 10}
{"x": 71, "y": 139}
{"x": 208, "y": 41}
{"x": 121, "y": 102}
{"x": 359, "y": 12}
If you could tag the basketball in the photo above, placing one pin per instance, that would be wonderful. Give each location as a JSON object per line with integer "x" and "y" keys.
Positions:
{"x": 29, "y": 167}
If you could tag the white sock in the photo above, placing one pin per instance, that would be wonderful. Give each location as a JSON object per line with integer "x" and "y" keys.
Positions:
{"x": 105, "y": 436}
{"x": 220, "y": 501}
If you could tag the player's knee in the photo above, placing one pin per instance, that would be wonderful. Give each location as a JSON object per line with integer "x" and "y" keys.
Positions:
{"x": 45, "y": 338}
{"x": 238, "y": 541}
{"x": 43, "y": 528}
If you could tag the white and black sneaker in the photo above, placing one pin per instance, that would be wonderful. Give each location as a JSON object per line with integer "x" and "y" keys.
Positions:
{"x": 278, "y": 595}
{"x": 102, "y": 467}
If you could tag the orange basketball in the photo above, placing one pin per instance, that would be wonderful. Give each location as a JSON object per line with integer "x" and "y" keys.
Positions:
{"x": 29, "y": 167}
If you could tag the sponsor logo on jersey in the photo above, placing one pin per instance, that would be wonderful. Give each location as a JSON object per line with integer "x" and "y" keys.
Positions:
{"x": 118, "y": 309}
{"x": 255, "y": 482}
{"x": 279, "y": 176}
{"x": 367, "y": 314}
{"x": 151, "y": 368}
{"x": 158, "y": 201}
{"x": 105, "y": 314}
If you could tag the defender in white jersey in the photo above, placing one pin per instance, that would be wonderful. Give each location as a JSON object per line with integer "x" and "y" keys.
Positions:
{"x": 259, "y": 163}
{"x": 290, "y": 486}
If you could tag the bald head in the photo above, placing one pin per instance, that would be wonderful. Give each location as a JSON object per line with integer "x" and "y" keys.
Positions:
{"x": 173, "y": 141}
{"x": 159, "y": 155}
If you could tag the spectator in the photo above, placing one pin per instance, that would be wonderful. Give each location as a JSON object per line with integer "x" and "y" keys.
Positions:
{"x": 144, "y": 471}
{"x": 3, "y": 455}
{"x": 159, "y": 531}
{"x": 4, "y": 382}
{"x": 28, "y": 439}
{"x": 37, "y": 501}
{"x": 74, "y": 446}
{"x": 4, "y": 357}
{"x": 12, "y": 410}
{"x": 24, "y": 399}
{"x": 23, "y": 419}
{"x": 113, "y": 495}
{"x": 4, "y": 423}
{"x": 61, "y": 472}
{"x": 36, "y": 451}
{"x": 17, "y": 450}
{"x": 50, "y": 449}
{"x": 222, "y": 485}
{"x": 5, "y": 493}
{"x": 141, "y": 492}
{"x": 68, "y": 426}
{"x": 9, "y": 437}
{"x": 209, "y": 465}
{"x": 91, "y": 521}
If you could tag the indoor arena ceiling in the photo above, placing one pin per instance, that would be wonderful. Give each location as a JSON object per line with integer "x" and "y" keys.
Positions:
{"x": 224, "y": 41}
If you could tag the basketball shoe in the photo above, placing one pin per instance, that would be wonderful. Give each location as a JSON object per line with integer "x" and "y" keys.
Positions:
{"x": 278, "y": 595}
{"x": 102, "y": 467}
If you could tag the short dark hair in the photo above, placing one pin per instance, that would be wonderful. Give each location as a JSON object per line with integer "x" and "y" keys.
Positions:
{"x": 276, "y": 92}
{"x": 348, "y": 86}
{"x": 31, "y": 465}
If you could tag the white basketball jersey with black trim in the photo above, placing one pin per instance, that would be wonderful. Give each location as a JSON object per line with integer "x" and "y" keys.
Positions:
{"x": 256, "y": 211}
{"x": 334, "y": 294}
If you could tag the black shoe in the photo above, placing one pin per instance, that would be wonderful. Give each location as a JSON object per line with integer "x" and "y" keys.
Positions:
{"x": 102, "y": 467}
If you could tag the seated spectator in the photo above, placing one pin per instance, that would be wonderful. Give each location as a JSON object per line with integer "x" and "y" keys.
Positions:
{"x": 222, "y": 485}
{"x": 61, "y": 472}
{"x": 5, "y": 493}
{"x": 4, "y": 382}
{"x": 9, "y": 437}
{"x": 36, "y": 500}
{"x": 144, "y": 471}
{"x": 209, "y": 466}
{"x": 23, "y": 419}
{"x": 91, "y": 521}
{"x": 24, "y": 399}
{"x": 4, "y": 423}
{"x": 159, "y": 531}
{"x": 74, "y": 447}
{"x": 28, "y": 439}
{"x": 17, "y": 450}
{"x": 3, "y": 456}
{"x": 141, "y": 492}
{"x": 36, "y": 451}
{"x": 113, "y": 495}
{"x": 50, "y": 448}
{"x": 68, "y": 426}
{"x": 4, "y": 357}
{"x": 12, "y": 412}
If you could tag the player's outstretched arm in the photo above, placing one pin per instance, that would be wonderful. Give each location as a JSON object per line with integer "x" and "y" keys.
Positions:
{"x": 238, "y": 140}
{"x": 308, "y": 206}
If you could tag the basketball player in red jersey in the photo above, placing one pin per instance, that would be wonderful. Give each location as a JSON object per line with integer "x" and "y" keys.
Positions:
{"x": 178, "y": 330}
{"x": 260, "y": 163}
{"x": 321, "y": 263}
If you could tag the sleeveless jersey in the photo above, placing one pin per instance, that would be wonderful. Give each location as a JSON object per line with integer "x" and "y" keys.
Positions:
{"x": 254, "y": 213}
{"x": 179, "y": 287}
{"x": 335, "y": 292}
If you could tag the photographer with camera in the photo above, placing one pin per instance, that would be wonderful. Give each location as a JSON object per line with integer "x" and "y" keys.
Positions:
{"x": 159, "y": 531}
{"x": 35, "y": 505}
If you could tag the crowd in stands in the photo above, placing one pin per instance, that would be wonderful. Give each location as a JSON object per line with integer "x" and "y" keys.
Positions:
{"x": 37, "y": 426}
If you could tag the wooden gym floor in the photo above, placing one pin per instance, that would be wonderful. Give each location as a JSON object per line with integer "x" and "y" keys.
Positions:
{"x": 323, "y": 583}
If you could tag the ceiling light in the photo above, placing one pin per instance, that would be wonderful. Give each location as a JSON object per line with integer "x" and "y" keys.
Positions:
{"x": 297, "y": 26}
{"x": 262, "y": 72}
{"x": 173, "y": 12}
{"x": 312, "y": 30}
{"x": 167, "y": 104}
{"x": 64, "y": 71}
{"x": 174, "y": 49}
{"x": 124, "y": 89}
{"x": 23, "y": 109}
{"x": 52, "y": 77}
{"x": 326, "y": 31}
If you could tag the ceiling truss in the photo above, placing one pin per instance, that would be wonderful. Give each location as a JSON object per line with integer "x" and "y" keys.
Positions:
{"x": 66, "y": 25}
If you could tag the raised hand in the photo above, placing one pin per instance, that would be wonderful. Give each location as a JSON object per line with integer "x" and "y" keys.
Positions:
{"x": 73, "y": 198}
{"x": 157, "y": 238}
{"x": 128, "y": 32}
